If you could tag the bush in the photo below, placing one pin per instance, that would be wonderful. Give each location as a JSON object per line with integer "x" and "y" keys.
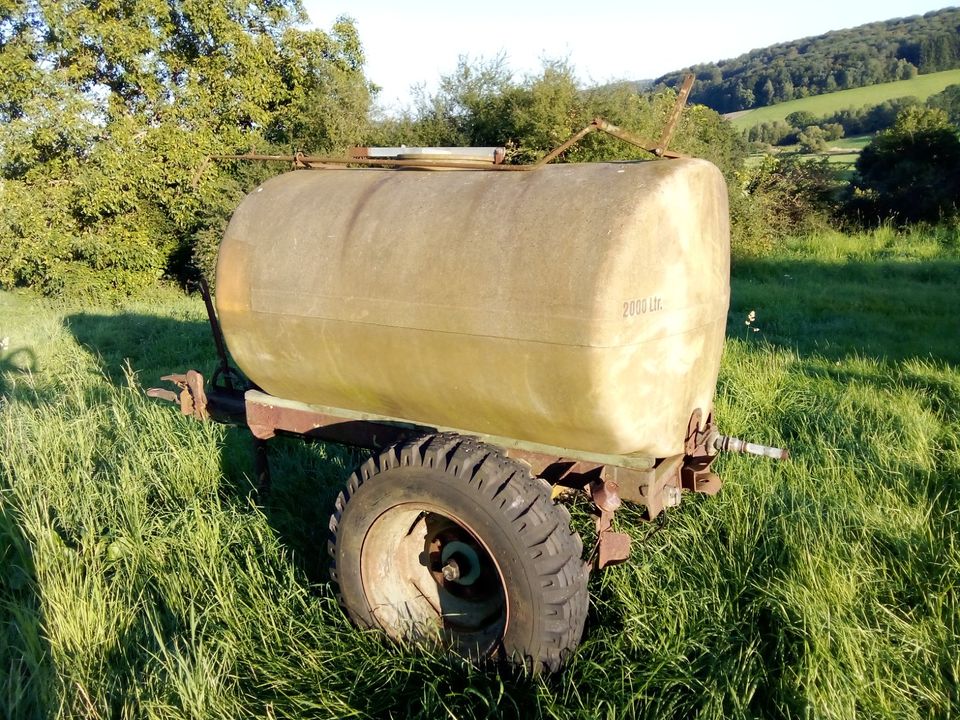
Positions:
{"x": 812, "y": 140}
{"x": 911, "y": 172}
{"x": 784, "y": 195}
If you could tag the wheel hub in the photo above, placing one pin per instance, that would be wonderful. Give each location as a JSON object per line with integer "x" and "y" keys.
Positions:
{"x": 460, "y": 563}
{"x": 424, "y": 572}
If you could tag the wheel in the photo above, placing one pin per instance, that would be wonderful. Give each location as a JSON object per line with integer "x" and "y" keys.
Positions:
{"x": 444, "y": 540}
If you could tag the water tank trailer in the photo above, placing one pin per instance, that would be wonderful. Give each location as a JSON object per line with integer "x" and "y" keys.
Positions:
{"x": 493, "y": 333}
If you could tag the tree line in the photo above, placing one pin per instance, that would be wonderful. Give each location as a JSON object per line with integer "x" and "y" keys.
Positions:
{"x": 875, "y": 53}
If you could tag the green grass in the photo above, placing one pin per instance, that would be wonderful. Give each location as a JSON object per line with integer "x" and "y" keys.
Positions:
{"x": 922, "y": 87}
{"x": 858, "y": 142}
{"x": 140, "y": 578}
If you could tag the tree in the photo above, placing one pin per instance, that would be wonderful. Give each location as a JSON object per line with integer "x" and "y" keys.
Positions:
{"x": 801, "y": 119}
{"x": 765, "y": 92}
{"x": 949, "y": 101}
{"x": 906, "y": 70}
{"x": 910, "y": 172}
{"x": 482, "y": 104}
{"x": 832, "y": 131}
{"x": 110, "y": 109}
{"x": 812, "y": 139}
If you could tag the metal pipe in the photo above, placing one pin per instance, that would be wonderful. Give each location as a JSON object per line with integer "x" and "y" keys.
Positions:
{"x": 726, "y": 443}
{"x": 490, "y": 155}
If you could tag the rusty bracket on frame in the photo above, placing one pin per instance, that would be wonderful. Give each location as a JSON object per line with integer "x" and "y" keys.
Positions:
{"x": 612, "y": 547}
{"x": 696, "y": 474}
{"x": 192, "y": 397}
{"x": 658, "y": 148}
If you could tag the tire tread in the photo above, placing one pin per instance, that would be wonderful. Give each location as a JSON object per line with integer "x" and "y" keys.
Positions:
{"x": 541, "y": 526}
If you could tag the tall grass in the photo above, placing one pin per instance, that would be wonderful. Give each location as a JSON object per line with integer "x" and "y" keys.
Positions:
{"x": 142, "y": 578}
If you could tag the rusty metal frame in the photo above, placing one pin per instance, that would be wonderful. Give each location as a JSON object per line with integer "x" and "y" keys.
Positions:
{"x": 608, "y": 485}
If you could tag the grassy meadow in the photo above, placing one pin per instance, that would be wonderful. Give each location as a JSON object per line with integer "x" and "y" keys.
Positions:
{"x": 922, "y": 87}
{"x": 140, "y": 576}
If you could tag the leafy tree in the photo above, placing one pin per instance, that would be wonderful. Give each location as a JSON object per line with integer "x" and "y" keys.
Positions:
{"x": 470, "y": 104}
{"x": 949, "y": 101}
{"x": 109, "y": 110}
{"x": 912, "y": 171}
{"x": 481, "y": 103}
{"x": 764, "y": 92}
{"x": 832, "y": 131}
{"x": 906, "y": 70}
{"x": 812, "y": 139}
{"x": 801, "y": 119}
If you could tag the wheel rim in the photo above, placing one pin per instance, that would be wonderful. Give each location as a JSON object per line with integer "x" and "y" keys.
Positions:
{"x": 428, "y": 576}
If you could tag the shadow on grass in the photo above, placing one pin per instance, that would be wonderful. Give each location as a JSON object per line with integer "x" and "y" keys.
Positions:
{"x": 306, "y": 477}
{"x": 26, "y": 687}
{"x": 153, "y": 346}
{"x": 14, "y": 363}
{"x": 889, "y": 310}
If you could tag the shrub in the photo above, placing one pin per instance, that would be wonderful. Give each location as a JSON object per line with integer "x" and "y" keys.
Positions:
{"x": 783, "y": 195}
{"x": 911, "y": 172}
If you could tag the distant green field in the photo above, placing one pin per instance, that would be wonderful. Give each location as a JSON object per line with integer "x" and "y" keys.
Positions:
{"x": 922, "y": 86}
{"x": 853, "y": 146}
{"x": 858, "y": 142}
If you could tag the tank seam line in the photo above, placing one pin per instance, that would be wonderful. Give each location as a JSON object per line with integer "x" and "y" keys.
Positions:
{"x": 495, "y": 337}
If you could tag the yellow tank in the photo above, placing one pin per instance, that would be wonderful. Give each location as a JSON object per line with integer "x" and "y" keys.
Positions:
{"x": 577, "y": 306}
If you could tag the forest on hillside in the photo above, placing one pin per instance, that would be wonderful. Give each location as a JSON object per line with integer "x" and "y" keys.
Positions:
{"x": 878, "y": 52}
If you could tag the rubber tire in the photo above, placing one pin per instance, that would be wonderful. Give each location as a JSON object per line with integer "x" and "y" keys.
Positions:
{"x": 539, "y": 557}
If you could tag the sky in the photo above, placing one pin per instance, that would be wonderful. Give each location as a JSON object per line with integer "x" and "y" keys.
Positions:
{"x": 416, "y": 43}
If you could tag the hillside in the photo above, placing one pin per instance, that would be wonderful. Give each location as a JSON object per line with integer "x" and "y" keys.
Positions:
{"x": 921, "y": 87}
{"x": 879, "y": 52}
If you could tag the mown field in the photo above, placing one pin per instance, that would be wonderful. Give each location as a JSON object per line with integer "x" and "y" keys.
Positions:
{"x": 922, "y": 87}
{"x": 140, "y": 577}
{"x": 842, "y": 153}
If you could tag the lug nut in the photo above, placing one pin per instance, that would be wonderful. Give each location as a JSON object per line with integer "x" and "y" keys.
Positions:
{"x": 451, "y": 571}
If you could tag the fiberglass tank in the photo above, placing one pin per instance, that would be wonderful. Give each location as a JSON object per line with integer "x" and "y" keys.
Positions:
{"x": 579, "y": 306}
